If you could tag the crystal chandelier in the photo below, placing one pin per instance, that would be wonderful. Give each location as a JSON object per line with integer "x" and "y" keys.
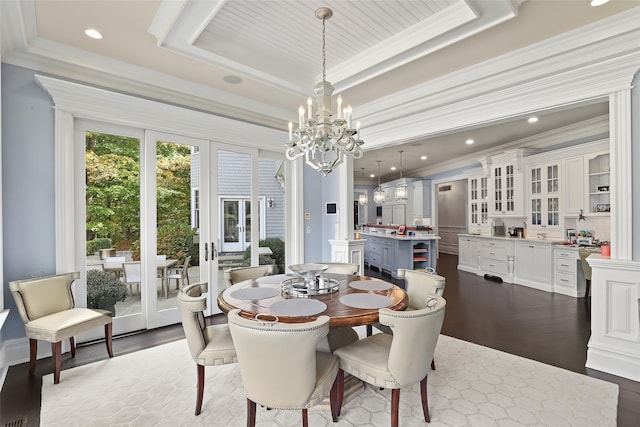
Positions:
{"x": 362, "y": 199}
{"x": 378, "y": 193}
{"x": 322, "y": 139}
{"x": 401, "y": 189}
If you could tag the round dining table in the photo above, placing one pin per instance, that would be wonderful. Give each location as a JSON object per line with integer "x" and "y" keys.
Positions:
{"x": 355, "y": 303}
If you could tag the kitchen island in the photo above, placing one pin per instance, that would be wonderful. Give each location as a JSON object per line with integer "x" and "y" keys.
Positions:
{"x": 388, "y": 252}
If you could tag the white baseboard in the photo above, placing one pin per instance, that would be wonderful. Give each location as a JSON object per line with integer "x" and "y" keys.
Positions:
{"x": 16, "y": 351}
{"x": 607, "y": 359}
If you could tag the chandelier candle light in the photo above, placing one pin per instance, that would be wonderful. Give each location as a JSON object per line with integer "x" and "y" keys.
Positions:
{"x": 322, "y": 139}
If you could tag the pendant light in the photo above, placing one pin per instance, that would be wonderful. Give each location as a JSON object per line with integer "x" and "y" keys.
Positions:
{"x": 378, "y": 193}
{"x": 401, "y": 189}
{"x": 362, "y": 199}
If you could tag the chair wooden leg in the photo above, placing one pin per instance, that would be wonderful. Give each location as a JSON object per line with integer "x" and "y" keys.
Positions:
{"x": 369, "y": 330}
{"x": 340, "y": 391}
{"x": 200, "y": 391}
{"x": 586, "y": 292}
{"x": 108, "y": 334}
{"x": 72, "y": 344}
{"x": 425, "y": 401}
{"x": 433, "y": 364}
{"x": 33, "y": 353}
{"x": 395, "y": 406}
{"x": 251, "y": 413}
{"x": 56, "y": 354}
{"x": 333, "y": 398}
{"x": 305, "y": 418}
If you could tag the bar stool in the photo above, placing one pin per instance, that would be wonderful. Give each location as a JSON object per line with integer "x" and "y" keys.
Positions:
{"x": 586, "y": 269}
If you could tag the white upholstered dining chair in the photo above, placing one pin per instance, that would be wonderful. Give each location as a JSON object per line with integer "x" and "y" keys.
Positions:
{"x": 209, "y": 345}
{"x": 239, "y": 274}
{"x": 48, "y": 310}
{"x": 280, "y": 365}
{"x": 397, "y": 360}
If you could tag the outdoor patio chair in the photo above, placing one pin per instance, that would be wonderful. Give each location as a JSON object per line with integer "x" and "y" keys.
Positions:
{"x": 132, "y": 275}
{"x": 180, "y": 274}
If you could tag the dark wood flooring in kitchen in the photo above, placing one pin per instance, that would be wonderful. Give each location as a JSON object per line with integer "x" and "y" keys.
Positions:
{"x": 550, "y": 328}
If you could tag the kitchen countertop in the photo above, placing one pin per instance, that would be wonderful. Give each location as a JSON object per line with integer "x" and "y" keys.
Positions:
{"x": 559, "y": 243}
{"x": 515, "y": 239}
{"x": 396, "y": 237}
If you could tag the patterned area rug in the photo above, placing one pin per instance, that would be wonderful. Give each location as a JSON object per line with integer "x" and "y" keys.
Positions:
{"x": 471, "y": 386}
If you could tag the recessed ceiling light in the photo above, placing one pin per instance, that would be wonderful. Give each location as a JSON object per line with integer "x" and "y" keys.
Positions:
{"x": 469, "y": 141}
{"x": 372, "y": 176}
{"x": 596, "y": 3}
{"x": 94, "y": 34}
{"x": 232, "y": 80}
{"x": 393, "y": 168}
{"x": 533, "y": 119}
{"x": 423, "y": 158}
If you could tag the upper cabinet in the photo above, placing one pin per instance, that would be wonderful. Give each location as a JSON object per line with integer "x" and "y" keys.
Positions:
{"x": 419, "y": 199}
{"x": 544, "y": 197}
{"x": 506, "y": 183}
{"x": 478, "y": 203}
{"x": 598, "y": 183}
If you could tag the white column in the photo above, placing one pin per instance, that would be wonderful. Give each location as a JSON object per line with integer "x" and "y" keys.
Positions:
{"x": 345, "y": 199}
{"x": 65, "y": 161}
{"x": 294, "y": 212}
{"x": 620, "y": 160}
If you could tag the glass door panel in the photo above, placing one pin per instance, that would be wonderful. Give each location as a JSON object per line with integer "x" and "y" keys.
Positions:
{"x": 170, "y": 253}
{"x": 109, "y": 198}
{"x": 231, "y": 227}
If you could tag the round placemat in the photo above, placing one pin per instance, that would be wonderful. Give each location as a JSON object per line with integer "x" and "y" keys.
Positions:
{"x": 362, "y": 300}
{"x": 276, "y": 279}
{"x": 255, "y": 293}
{"x": 370, "y": 285}
{"x": 297, "y": 307}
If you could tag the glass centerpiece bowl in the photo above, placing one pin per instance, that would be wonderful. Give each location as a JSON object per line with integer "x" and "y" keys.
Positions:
{"x": 308, "y": 271}
{"x": 309, "y": 281}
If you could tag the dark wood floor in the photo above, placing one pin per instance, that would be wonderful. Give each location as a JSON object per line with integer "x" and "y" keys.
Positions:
{"x": 550, "y": 328}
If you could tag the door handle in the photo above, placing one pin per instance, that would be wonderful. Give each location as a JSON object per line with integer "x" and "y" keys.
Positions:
{"x": 206, "y": 252}
{"x": 214, "y": 251}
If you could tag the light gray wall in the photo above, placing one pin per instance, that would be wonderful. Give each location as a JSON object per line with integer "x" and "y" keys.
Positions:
{"x": 313, "y": 204}
{"x": 27, "y": 184}
{"x": 452, "y": 204}
{"x": 635, "y": 164}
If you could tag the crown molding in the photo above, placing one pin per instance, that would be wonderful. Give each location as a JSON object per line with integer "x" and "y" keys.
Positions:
{"x": 103, "y": 105}
{"x": 592, "y": 129}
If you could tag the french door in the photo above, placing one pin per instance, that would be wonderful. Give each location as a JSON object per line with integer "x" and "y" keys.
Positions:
{"x": 236, "y": 222}
{"x": 144, "y": 223}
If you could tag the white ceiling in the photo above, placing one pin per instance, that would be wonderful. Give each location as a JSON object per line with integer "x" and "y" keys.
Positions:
{"x": 184, "y": 51}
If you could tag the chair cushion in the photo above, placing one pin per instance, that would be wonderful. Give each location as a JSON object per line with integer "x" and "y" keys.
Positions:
{"x": 219, "y": 349}
{"x": 367, "y": 359}
{"x": 65, "y": 324}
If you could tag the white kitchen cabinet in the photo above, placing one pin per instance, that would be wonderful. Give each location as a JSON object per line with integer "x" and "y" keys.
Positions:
{"x": 399, "y": 214}
{"x": 573, "y": 186}
{"x": 467, "y": 253}
{"x": 599, "y": 184}
{"x": 544, "y": 199}
{"x": 533, "y": 264}
{"x": 495, "y": 257}
{"x": 478, "y": 201}
{"x": 419, "y": 200}
{"x": 566, "y": 271}
{"x": 387, "y": 214}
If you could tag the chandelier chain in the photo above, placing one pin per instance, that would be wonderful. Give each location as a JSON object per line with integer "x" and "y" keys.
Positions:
{"x": 324, "y": 51}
